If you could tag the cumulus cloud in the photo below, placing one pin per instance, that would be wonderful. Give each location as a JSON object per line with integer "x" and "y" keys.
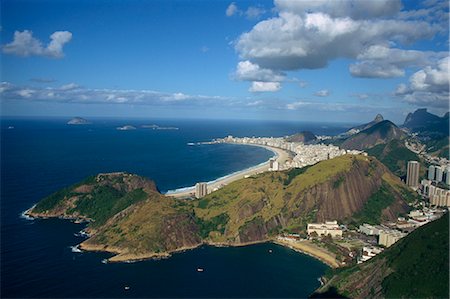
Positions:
{"x": 24, "y": 44}
{"x": 258, "y": 86}
{"x": 231, "y": 10}
{"x": 310, "y": 34}
{"x": 254, "y": 12}
{"x": 247, "y": 71}
{"x": 322, "y": 93}
{"x": 73, "y": 93}
{"x": 428, "y": 86}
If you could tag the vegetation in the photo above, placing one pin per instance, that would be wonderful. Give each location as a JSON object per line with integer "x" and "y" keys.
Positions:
{"x": 394, "y": 155}
{"x": 414, "y": 267}
{"x": 52, "y": 200}
{"x": 217, "y": 223}
{"x": 294, "y": 172}
{"x": 371, "y": 212}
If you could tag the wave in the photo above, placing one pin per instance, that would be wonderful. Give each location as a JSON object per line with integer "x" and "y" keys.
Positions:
{"x": 82, "y": 234}
{"x": 24, "y": 215}
{"x": 76, "y": 249}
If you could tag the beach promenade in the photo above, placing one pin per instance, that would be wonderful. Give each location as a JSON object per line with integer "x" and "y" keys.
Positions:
{"x": 281, "y": 156}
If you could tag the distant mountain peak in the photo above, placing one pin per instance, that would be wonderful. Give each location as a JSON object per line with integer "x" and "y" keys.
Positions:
{"x": 423, "y": 121}
{"x": 378, "y": 118}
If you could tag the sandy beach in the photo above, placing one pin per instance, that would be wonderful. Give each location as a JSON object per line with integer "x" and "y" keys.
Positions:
{"x": 309, "y": 248}
{"x": 280, "y": 155}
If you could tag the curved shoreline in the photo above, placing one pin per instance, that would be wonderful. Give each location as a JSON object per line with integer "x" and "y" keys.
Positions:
{"x": 280, "y": 155}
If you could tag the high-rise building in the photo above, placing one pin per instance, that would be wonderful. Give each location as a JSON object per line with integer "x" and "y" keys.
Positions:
{"x": 447, "y": 173}
{"x": 438, "y": 176}
{"x": 431, "y": 172}
{"x": 201, "y": 189}
{"x": 412, "y": 174}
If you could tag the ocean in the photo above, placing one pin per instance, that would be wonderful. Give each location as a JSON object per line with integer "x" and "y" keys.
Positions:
{"x": 40, "y": 156}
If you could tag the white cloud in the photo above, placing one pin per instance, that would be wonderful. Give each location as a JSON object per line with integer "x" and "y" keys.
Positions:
{"x": 258, "y": 86}
{"x": 254, "y": 12}
{"x": 72, "y": 93}
{"x": 24, "y": 44}
{"x": 255, "y": 103}
{"x": 428, "y": 86}
{"x": 322, "y": 93}
{"x": 248, "y": 71}
{"x": 231, "y": 10}
{"x": 310, "y": 34}
{"x": 69, "y": 86}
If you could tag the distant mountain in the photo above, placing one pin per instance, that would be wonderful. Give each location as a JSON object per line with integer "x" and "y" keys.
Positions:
{"x": 421, "y": 121}
{"x": 78, "y": 121}
{"x": 414, "y": 267}
{"x": 379, "y": 133}
{"x": 357, "y": 129}
{"x": 304, "y": 137}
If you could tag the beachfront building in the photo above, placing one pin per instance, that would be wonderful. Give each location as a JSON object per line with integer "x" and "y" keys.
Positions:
{"x": 324, "y": 229}
{"x": 201, "y": 189}
{"x": 303, "y": 154}
{"x": 389, "y": 236}
{"x": 412, "y": 174}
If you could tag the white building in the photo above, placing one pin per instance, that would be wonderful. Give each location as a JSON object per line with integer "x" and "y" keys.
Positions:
{"x": 412, "y": 174}
{"x": 324, "y": 229}
{"x": 438, "y": 197}
{"x": 370, "y": 230}
{"x": 389, "y": 237}
{"x": 369, "y": 252}
{"x": 201, "y": 189}
{"x": 431, "y": 172}
{"x": 439, "y": 173}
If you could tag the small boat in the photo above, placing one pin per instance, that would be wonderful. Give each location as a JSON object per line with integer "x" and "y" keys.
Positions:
{"x": 190, "y": 143}
{"x": 126, "y": 288}
{"x": 200, "y": 270}
{"x": 104, "y": 261}
{"x": 270, "y": 250}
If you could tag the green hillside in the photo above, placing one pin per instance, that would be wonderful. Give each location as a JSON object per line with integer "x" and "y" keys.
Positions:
{"x": 415, "y": 267}
{"x": 395, "y": 155}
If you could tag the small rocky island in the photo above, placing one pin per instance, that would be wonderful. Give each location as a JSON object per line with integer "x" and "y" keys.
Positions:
{"x": 126, "y": 128}
{"x": 157, "y": 127}
{"x": 78, "y": 121}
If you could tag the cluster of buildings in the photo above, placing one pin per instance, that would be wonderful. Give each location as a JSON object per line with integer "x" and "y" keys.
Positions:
{"x": 438, "y": 197}
{"x": 330, "y": 228}
{"x": 390, "y": 233}
{"x": 303, "y": 154}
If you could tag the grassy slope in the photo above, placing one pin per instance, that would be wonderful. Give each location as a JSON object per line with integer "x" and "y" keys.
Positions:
{"x": 415, "y": 267}
{"x": 394, "y": 155}
{"x": 143, "y": 220}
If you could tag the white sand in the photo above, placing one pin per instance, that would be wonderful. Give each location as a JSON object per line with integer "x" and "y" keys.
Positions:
{"x": 281, "y": 156}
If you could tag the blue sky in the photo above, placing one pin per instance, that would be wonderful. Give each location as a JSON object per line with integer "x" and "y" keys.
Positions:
{"x": 341, "y": 60}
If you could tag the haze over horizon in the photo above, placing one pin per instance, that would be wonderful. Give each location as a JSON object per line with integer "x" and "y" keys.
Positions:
{"x": 331, "y": 61}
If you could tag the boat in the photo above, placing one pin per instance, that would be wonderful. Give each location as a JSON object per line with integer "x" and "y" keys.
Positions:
{"x": 270, "y": 250}
{"x": 126, "y": 287}
{"x": 191, "y": 143}
{"x": 200, "y": 270}
{"x": 104, "y": 261}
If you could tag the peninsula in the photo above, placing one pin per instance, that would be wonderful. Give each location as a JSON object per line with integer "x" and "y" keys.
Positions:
{"x": 128, "y": 216}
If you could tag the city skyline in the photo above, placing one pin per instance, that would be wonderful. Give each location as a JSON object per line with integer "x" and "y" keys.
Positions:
{"x": 275, "y": 60}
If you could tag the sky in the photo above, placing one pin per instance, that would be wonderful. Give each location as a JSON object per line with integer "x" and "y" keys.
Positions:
{"x": 322, "y": 60}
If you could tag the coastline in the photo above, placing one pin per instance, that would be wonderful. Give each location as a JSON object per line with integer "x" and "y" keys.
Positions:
{"x": 305, "y": 247}
{"x": 280, "y": 156}
{"x": 308, "y": 248}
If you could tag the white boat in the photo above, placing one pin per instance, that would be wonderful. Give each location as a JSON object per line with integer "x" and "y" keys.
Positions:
{"x": 126, "y": 287}
{"x": 104, "y": 261}
{"x": 191, "y": 143}
{"x": 200, "y": 270}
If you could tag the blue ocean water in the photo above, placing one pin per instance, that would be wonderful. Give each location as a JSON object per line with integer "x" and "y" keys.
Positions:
{"x": 40, "y": 156}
